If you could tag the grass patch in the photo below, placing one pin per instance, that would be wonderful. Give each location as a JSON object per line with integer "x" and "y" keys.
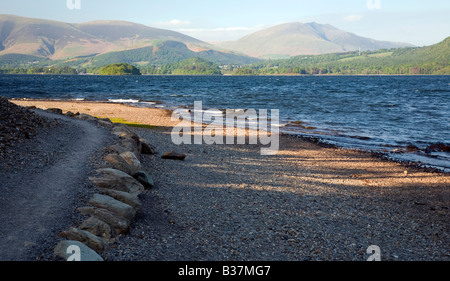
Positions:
{"x": 131, "y": 124}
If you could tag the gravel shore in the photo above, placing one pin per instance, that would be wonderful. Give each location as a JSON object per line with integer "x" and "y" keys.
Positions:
{"x": 230, "y": 203}
{"x": 43, "y": 178}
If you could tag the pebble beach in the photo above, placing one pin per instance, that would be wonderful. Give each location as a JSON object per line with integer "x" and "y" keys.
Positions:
{"x": 307, "y": 202}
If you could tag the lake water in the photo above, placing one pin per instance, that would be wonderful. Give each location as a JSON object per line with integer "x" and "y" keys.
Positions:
{"x": 378, "y": 113}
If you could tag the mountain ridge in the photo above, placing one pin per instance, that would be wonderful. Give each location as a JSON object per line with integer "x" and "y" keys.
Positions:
{"x": 295, "y": 38}
{"x": 55, "y": 39}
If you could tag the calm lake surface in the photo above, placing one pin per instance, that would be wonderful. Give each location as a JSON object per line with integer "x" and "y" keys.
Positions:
{"x": 379, "y": 113}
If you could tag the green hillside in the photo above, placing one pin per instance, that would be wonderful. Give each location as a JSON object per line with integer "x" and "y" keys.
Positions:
{"x": 424, "y": 60}
{"x": 28, "y": 42}
{"x": 169, "y": 57}
{"x": 192, "y": 66}
{"x": 168, "y": 52}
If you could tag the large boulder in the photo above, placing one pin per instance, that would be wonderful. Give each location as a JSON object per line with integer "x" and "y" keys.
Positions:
{"x": 147, "y": 148}
{"x": 117, "y": 162}
{"x": 132, "y": 160}
{"x": 92, "y": 241}
{"x": 117, "y": 180}
{"x": 119, "y": 224}
{"x": 105, "y": 123}
{"x": 84, "y": 116}
{"x": 113, "y": 205}
{"x": 124, "y": 197}
{"x": 121, "y": 129}
{"x": 54, "y": 110}
{"x": 97, "y": 227}
{"x": 130, "y": 144}
{"x": 116, "y": 148}
{"x": 145, "y": 178}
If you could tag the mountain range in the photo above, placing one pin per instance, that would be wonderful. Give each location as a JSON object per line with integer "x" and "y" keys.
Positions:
{"x": 26, "y": 40}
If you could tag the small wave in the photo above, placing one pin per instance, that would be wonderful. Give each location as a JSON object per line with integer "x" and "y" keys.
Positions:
{"x": 174, "y": 95}
{"x": 123, "y": 100}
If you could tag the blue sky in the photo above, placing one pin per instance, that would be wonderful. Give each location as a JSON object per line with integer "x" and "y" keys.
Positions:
{"x": 414, "y": 21}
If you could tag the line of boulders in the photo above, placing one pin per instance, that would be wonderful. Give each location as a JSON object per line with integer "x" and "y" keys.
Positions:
{"x": 114, "y": 206}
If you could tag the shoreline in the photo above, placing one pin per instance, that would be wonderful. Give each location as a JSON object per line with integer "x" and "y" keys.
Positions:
{"x": 232, "y": 75}
{"x": 310, "y": 201}
{"x": 160, "y": 116}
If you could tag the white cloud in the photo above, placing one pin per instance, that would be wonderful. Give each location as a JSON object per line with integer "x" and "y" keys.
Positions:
{"x": 220, "y": 33}
{"x": 353, "y": 18}
{"x": 173, "y": 22}
{"x": 237, "y": 28}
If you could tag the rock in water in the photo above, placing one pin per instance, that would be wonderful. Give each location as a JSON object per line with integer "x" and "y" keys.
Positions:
{"x": 411, "y": 148}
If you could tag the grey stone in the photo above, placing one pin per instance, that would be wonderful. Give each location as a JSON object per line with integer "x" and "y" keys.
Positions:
{"x": 84, "y": 116}
{"x": 116, "y": 161}
{"x": 116, "y": 148}
{"x": 132, "y": 161}
{"x": 120, "y": 129}
{"x": 147, "y": 148}
{"x": 124, "y": 197}
{"x": 55, "y": 110}
{"x": 113, "y": 205}
{"x": 97, "y": 227}
{"x": 70, "y": 114}
{"x": 130, "y": 145}
{"x": 104, "y": 123}
{"x": 145, "y": 178}
{"x": 92, "y": 241}
{"x": 117, "y": 180}
{"x": 117, "y": 223}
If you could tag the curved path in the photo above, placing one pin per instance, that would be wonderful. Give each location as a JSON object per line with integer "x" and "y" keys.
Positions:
{"x": 39, "y": 194}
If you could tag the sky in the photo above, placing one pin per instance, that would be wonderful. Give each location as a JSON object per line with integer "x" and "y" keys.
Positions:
{"x": 418, "y": 22}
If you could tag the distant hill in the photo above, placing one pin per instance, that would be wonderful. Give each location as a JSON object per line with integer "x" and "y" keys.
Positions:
{"x": 433, "y": 59}
{"x": 58, "y": 40}
{"x": 292, "y": 39}
{"x": 27, "y": 39}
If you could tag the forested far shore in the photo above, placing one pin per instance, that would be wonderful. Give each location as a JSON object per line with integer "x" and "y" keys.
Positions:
{"x": 431, "y": 60}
